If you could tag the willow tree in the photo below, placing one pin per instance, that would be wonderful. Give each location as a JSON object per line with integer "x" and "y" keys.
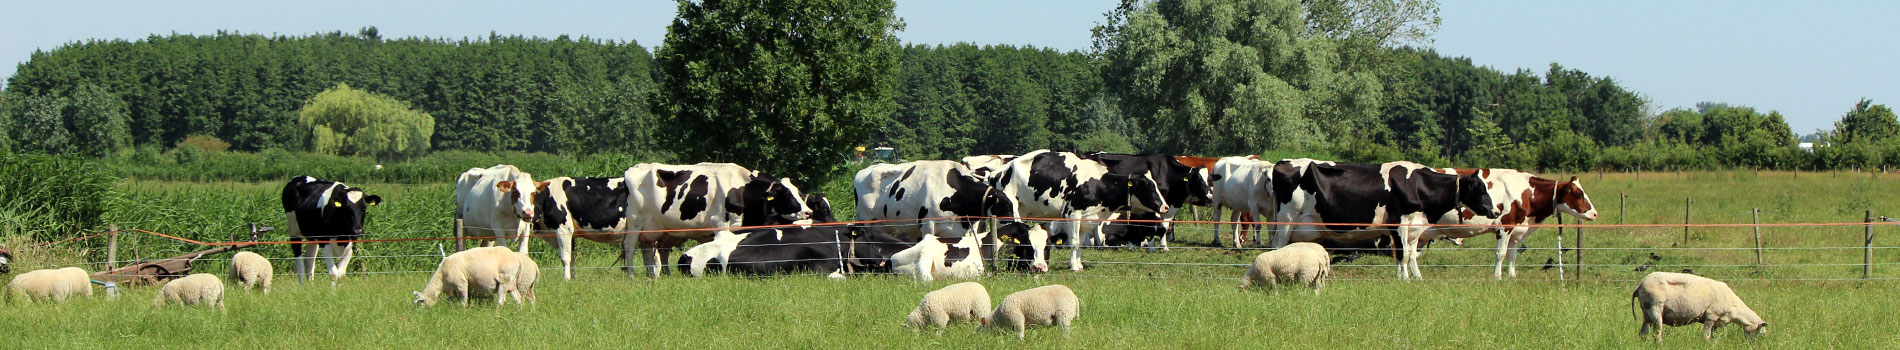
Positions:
{"x": 351, "y": 122}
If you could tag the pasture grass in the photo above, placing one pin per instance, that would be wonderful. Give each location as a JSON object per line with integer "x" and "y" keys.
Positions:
{"x": 602, "y": 309}
{"x": 1184, "y": 298}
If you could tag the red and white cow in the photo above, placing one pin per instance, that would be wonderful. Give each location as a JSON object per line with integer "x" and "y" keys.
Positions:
{"x": 495, "y": 203}
{"x": 1357, "y": 201}
{"x": 1522, "y": 199}
{"x": 1060, "y": 184}
{"x": 699, "y": 200}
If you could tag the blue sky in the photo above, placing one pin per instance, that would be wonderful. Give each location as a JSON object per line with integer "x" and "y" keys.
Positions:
{"x": 1809, "y": 60}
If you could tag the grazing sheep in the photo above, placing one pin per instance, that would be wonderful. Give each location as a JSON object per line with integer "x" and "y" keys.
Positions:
{"x": 965, "y": 301}
{"x": 524, "y": 280}
{"x": 52, "y": 285}
{"x": 196, "y": 289}
{"x": 1304, "y": 263}
{"x": 483, "y": 271}
{"x": 1047, "y": 305}
{"x": 250, "y": 270}
{"x": 1677, "y": 299}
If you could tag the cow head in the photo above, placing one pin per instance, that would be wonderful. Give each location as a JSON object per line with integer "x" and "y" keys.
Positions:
{"x": 1573, "y": 201}
{"x": 775, "y": 199}
{"x": 522, "y": 194}
{"x": 862, "y": 252}
{"x": 1195, "y": 182}
{"x": 820, "y": 208}
{"x": 1028, "y": 245}
{"x": 1476, "y": 196}
{"x": 1142, "y": 193}
{"x": 346, "y": 205}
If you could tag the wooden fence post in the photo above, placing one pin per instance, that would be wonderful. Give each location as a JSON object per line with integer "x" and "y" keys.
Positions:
{"x": 1758, "y": 236}
{"x": 1867, "y": 260}
{"x": 1579, "y": 249}
{"x": 112, "y": 247}
{"x": 1687, "y": 204}
{"x": 1622, "y": 212}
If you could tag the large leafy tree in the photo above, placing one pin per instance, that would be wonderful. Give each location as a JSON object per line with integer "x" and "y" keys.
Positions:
{"x": 1866, "y": 123}
{"x": 1224, "y": 77}
{"x": 785, "y": 86}
{"x": 348, "y": 121}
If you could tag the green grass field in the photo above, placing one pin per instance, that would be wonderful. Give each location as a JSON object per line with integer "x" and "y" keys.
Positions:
{"x": 1185, "y": 298}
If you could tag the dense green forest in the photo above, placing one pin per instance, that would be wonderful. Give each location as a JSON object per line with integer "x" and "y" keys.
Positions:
{"x": 1191, "y": 77}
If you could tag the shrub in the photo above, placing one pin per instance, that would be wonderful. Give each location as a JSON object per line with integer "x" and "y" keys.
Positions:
{"x": 205, "y": 143}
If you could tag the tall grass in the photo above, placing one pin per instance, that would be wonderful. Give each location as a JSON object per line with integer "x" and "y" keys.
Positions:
{"x": 44, "y": 197}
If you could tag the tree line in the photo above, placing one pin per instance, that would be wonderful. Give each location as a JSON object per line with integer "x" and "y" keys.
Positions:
{"x": 1330, "y": 78}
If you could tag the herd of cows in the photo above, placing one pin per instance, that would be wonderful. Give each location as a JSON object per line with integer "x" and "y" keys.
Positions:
{"x": 941, "y": 219}
{"x": 953, "y": 219}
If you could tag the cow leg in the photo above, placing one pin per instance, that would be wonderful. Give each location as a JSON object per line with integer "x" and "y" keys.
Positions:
{"x": 651, "y": 257}
{"x": 1504, "y": 248}
{"x": 522, "y": 232}
{"x": 308, "y": 262}
{"x": 1075, "y": 245}
{"x": 349, "y": 251}
{"x": 1517, "y": 241}
{"x": 329, "y": 262}
{"x": 563, "y": 242}
{"x": 629, "y": 245}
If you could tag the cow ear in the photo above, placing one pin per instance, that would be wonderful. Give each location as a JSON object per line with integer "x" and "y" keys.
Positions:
{"x": 505, "y": 186}
{"x": 1213, "y": 177}
{"x": 373, "y": 200}
{"x": 541, "y": 186}
{"x": 1573, "y": 179}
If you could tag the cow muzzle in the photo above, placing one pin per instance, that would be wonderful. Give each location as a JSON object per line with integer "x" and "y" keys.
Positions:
{"x": 1039, "y": 267}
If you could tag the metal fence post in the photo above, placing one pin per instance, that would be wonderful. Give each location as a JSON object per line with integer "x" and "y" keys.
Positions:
{"x": 1622, "y": 212}
{"x": 1579, "y": 249}
{"x": 1560, "y": 247}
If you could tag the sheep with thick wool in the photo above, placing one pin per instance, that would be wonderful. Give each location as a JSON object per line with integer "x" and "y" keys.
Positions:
{"x": 1051, "y": 305}
{"x": 477, "y": 272}
{"x": 196, "y": 289}
{"x": 54, "y": 285}
{"x": 250, "y": 270}
{"x": 1303, "y": 263}
{"x": 967, "y": 301}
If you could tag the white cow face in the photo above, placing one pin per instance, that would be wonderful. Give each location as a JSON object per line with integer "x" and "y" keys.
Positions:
{"x": 522, "y": 194}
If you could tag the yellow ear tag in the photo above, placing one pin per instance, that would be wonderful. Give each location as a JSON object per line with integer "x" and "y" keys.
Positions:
{"x": 1131, "y": 184}
{"x": 769, "y": 198}
{"x": 336, "y": 204}
{"x": 372, "y": 204}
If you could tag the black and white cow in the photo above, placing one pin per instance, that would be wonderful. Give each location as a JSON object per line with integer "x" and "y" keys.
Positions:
{"x": 1289, "y": 199}
{"x": 323, "y": 210}
{"x": 591, "y": 208}
{"x": 495, "y": 203}
{"x": 788, "y": 250}
{"x": 1354, "y": 199}
{"x": 698, "y": 202}
{"x": 1180, "y": 185}
{"x": 1060, "y": 184}
{"x": 930, "y": 189}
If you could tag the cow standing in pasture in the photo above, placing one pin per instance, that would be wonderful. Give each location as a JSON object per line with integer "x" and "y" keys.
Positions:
{"x": 1246, "y": 188}
{"x": 1060, "y": 184}
{"x": 495, "y": 203}
{"x": 1362, "y": 201}
{"x": 934, "y": 189}
{"x": 591, "y": 208}
{"x": 1521, "y": 200}
{"x": 324, "y": 210}
{"x": 698, "y": 202}
{"x": 1180, "y": 185}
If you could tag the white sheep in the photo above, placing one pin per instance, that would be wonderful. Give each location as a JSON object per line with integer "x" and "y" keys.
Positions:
{"x": 196, "y": 289}
{"x": 524, "y": 280}
{"x": 250, "y": 270}
{"x": 1041, "y": 306}
{"x": 967, "y": 301}
{"x": 483, "y": 271}
{"x": 52, "y": 285}
{"x": 1304, "y": 263}
{"x": 1676, "y": 299}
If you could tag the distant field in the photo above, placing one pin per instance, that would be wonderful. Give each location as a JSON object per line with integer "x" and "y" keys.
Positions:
{"x": 1184, "y": 298}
